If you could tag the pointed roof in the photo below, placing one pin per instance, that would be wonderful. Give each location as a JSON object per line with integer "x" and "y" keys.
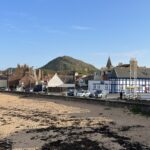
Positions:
{"x": 55, "y": 81}
{"x": 109, "y": 64}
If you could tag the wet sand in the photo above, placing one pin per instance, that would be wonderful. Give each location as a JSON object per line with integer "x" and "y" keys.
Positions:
{"x": 29, "y": 123}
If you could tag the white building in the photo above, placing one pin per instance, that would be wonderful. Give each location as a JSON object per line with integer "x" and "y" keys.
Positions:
{"x": 56, "y": 84}
{"x": 3, "y": 82}
{"x": 94, "y": 85}
{"x": 121, "y": 80}
{"x": 125, "y": 76}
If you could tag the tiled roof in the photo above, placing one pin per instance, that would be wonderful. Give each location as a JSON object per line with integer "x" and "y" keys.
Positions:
{"x": 124, "y": 72}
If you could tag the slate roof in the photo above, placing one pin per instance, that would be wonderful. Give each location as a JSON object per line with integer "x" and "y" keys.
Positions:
{"x": 124, "y": 72}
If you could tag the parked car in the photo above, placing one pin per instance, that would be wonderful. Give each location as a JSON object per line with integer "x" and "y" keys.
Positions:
{"x": 7, "y": 89}
{"x": 31, "y": 90}
{"x": 2, "y": 89}
{"x": 81, "y": 93}
{"x": 70, "y": 93}
{"x": 101, "y": 94}
{"x": 37, "y": 88}
{"x": 87, "y": 93}
{"x": 92, "y": 95}
{"x": 130, "y": 95}
{"x": 19, "y": 89}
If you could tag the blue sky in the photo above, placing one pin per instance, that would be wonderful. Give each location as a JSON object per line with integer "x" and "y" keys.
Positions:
{"x": 36, "y": 31}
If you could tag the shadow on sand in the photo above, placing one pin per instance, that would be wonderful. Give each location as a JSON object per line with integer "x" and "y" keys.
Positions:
{"x": 74, "y": 138}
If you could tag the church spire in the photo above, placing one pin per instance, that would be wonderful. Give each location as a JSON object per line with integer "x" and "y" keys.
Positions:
{"x": 109, "y": 64}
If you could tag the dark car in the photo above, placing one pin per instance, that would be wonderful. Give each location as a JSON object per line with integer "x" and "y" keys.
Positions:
{"x": 70, "y": 93}
{"x": 91, "y": 95}
{"x": 37, "y": 88}
{"x": 97, "y": 93}
{"x": 101, "y": 94}
{"x": 2, "y": 89}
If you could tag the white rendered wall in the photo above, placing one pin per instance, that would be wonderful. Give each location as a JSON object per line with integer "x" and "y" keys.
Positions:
{"x": 3, "y": 83}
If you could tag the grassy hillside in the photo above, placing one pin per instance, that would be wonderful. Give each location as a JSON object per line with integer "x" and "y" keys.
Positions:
{"x": 68, "y": 64}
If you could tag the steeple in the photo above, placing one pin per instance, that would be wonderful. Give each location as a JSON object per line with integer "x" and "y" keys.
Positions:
{"x": 109, "y": 64}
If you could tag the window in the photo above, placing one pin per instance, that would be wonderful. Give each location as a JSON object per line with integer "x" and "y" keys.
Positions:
{"x": 106, "y": 86}
{"x": 94, "y": 86}
{"x": 97, "y": 86}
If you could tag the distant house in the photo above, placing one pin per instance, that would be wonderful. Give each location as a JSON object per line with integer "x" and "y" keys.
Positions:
{"x": 100, "y": 80}
{"x": 56, "y": 84}
{"x": 17, "y": 76}
{"x": 14, "y": 81}
{"x": 28, "y": 81}
{"x": 121, "y": 80}
{"x": 25, "y": 76}
{"x": 3, "y": 82}
{"x": 82, "y": 82}
{"x": 122, "y": 77}
{"x": 94, "y": 85}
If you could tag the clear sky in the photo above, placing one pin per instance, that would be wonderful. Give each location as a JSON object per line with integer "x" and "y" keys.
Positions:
{"x": 36, "y": 31}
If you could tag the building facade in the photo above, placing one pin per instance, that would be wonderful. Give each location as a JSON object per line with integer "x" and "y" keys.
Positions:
{"x": 59, "y": 84}
{"x": 94, "y": 85}
{"x": 123, "y": 77}
{"x": 3, "y": 82}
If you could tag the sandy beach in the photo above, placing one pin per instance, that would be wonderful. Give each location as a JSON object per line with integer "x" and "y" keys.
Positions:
{"x": 29, "y": 123}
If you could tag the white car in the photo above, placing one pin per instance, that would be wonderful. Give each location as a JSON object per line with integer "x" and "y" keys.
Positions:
{"x": 127, "y": 94}
{"x": 7, "y": 89}
{"x": 130, "y": 95}
{"x": 81, "y": 93}
{"x": 87, "y": 94}
{"x": 101, "y": 94}
{"x": 19, "y": 89}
